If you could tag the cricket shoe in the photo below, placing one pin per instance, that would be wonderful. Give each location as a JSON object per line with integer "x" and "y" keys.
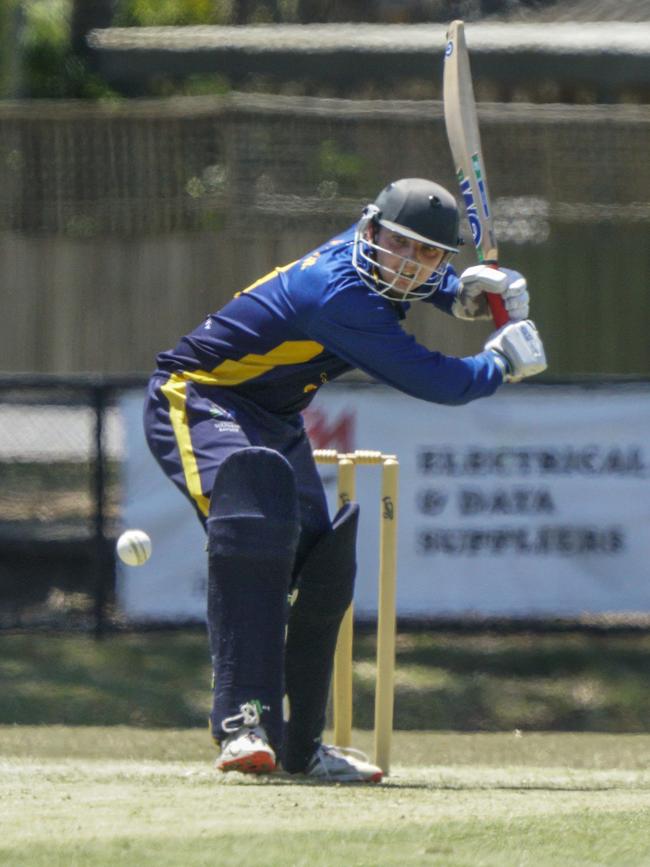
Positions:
{"x": 246, "y": 748}
{"x": 342, "y": 765}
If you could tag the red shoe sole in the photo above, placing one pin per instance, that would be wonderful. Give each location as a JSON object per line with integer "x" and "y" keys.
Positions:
{"x": 254, "y": 763}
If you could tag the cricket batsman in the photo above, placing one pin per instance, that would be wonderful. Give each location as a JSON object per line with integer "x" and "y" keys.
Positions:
{"x": 223, "y": 419}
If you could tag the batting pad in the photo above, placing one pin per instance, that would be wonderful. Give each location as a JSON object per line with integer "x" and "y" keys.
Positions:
{"x": 252, "y": 537}
{"x": 325, "y": 590}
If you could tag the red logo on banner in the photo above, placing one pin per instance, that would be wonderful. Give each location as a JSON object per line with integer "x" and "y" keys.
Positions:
{"x": 326, "y": 433}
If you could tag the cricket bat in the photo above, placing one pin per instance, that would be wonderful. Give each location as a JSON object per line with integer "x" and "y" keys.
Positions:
{"x": 464, "y": 138}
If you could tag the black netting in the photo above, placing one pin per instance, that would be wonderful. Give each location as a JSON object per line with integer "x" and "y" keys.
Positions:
{"x": 83, "y": 171}
{"x": 60, "y": 451}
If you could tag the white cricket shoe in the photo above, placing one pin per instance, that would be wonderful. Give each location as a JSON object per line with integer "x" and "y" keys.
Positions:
{"x": 247, "y": 749}
{"x": 342, "y": 765}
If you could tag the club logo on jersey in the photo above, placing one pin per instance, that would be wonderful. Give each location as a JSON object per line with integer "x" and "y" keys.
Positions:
{"x": 217, "y": 411}
{"x": 476, "y": 165}
{"x": 471, "y": 210}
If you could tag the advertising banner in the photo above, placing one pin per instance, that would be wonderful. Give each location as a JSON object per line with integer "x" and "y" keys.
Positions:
{"x": 532, "y": 503}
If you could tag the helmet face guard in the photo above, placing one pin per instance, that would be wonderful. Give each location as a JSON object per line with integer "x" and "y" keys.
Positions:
{"x": 382, "y": 281}
{"x": 416, "y": 209}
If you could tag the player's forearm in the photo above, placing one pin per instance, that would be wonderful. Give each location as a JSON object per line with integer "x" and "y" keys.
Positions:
{"x": 445, "y": 380}
{"x": 370, "y": 338}
{"x": 427, "y": 375}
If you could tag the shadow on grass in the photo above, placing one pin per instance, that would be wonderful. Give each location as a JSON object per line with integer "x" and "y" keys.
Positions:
{"x": 481, "y": 681}
{"x": 485, "y": 681}
{"x": 150, "y": 679}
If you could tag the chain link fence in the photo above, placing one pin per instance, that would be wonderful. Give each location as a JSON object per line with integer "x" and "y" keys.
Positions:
{"x": 61, "y": 447}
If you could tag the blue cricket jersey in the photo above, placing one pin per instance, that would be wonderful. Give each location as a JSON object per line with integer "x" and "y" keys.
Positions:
{"x": 278, "y": 341}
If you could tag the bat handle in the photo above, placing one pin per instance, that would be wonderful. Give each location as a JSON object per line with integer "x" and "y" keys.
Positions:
{"x": 495, "y": 302}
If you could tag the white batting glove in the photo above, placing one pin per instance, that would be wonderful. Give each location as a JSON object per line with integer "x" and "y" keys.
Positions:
{"x": 471, "y": 303}
{"x": 519, "y": 344}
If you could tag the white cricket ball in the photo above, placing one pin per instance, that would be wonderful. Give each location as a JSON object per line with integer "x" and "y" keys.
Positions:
{"x": 134, "y": 547}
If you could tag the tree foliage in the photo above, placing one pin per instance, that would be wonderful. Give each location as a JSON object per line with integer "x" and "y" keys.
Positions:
{"x": 42, "y": 42}
{"x": 178, "y": 13}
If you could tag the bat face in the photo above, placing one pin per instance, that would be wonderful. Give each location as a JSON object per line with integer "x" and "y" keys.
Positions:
{"x": 477, "y": 209}
{"x": 461, "y": 122}
{"x": 465, "y": 143}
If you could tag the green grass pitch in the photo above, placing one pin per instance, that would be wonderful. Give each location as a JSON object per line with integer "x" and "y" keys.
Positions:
{"x": 87, "y": 796}
{"x": 119, "y": 769}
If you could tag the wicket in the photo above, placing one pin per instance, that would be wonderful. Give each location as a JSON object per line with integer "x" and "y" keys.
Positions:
{"x": 342, "y": 685}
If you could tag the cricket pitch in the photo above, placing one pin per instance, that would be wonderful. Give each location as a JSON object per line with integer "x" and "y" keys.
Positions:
{"x": 97, "y": 796}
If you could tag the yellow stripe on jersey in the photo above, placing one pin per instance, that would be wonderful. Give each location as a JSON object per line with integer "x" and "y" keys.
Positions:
{"x": 279, "y": 270}
{"x": 174, "y": 391}
{"x": 231, "y": 372}
{"x": 226, "y": 374}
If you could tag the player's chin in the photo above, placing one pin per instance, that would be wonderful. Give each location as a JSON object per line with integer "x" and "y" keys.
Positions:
{"x": 403, "y": 285}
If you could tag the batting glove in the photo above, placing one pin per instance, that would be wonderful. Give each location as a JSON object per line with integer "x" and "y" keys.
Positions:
{"x": 474, "y": 282}
{"x": 519, "y": 344}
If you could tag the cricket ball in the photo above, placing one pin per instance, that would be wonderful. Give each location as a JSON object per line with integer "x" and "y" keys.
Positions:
{"x": 134, "y": 547}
